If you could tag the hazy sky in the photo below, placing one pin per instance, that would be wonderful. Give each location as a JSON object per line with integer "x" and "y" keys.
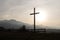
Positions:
{"x": 20, "y": 10}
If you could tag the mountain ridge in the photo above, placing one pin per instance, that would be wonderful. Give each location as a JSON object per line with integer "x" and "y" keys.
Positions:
{"x": 15, "y": 24}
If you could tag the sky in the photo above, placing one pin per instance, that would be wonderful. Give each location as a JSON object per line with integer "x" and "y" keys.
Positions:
{"x": 20, "y": 10}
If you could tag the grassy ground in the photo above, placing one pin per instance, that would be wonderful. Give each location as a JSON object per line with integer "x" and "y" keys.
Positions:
{"x": 28, "y": 36}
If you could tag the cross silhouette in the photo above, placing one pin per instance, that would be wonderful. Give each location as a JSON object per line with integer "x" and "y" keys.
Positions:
{"x": 34, "y": 19}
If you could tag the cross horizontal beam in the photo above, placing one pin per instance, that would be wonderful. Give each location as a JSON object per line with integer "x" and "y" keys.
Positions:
{"x": 34, "y": 13}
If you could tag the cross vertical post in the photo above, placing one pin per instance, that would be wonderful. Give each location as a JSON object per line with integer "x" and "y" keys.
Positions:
{"x": 34, "y": 19}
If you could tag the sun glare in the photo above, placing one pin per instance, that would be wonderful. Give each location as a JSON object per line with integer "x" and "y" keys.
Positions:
{"x": 41, "y": 17}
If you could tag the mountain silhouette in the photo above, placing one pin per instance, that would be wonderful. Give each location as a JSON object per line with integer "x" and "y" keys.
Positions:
{"x": 15, "y": 24}
{"x": 11, "y": 24}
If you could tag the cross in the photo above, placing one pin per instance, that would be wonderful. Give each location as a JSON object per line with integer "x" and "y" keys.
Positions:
{"x": 34, "y": 19}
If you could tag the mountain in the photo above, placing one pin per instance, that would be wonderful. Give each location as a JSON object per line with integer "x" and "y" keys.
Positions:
{"x": 11, "y": 23}
{"x": 16, "y": 24}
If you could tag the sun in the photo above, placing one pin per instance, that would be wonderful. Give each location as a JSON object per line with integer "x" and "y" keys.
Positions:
{"x": 41, "y": 16}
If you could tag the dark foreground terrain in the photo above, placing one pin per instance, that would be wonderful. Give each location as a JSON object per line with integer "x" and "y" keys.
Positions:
{"x": 29, "y": 36}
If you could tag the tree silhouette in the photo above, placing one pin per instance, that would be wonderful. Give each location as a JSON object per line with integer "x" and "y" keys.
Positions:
{"x": 23, "y": 27}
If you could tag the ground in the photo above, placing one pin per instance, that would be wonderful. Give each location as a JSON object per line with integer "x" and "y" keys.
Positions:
{"x": 28, "y": 36}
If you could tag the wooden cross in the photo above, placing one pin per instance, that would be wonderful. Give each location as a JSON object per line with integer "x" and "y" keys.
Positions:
{"x": 34, "y": 19}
